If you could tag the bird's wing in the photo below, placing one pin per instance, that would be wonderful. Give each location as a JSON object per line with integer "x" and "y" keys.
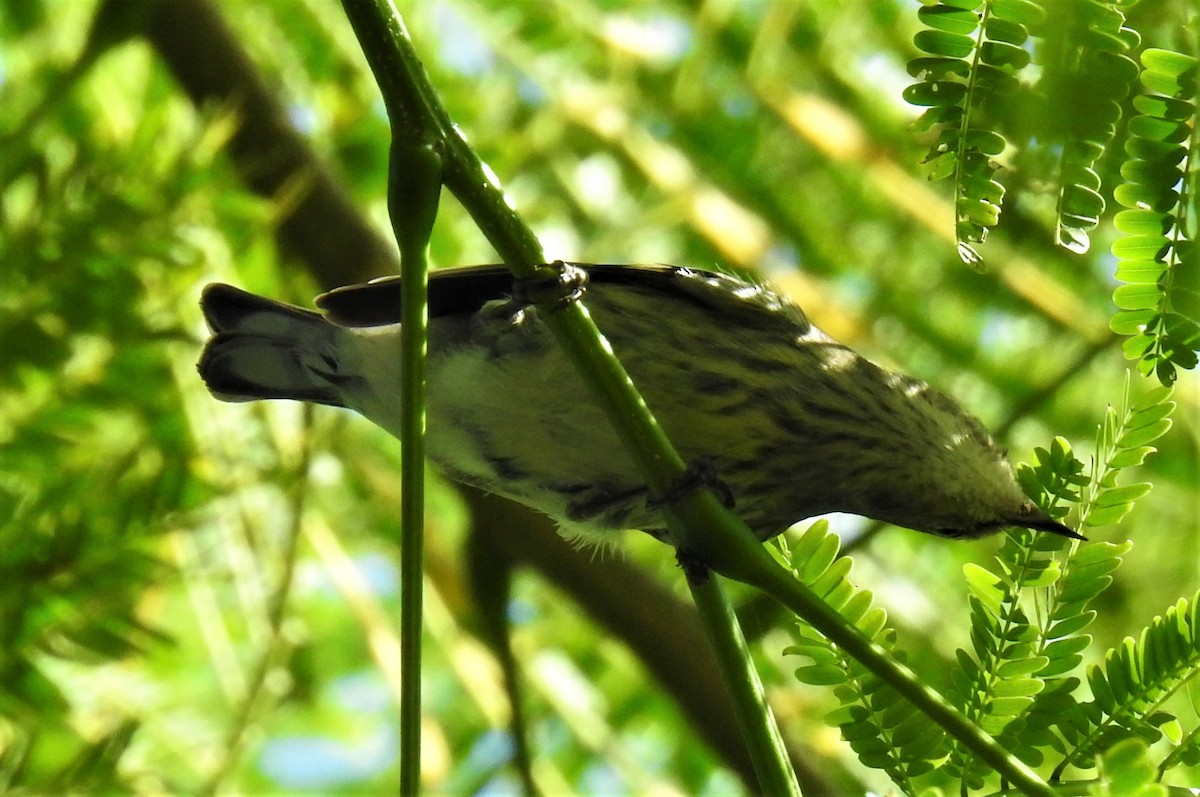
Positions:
{"x": 466, "y": 289}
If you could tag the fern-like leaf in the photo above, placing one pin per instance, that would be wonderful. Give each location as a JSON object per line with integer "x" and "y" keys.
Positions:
{"x": 883, "y": 729}
{"x": 1055, "y": 477}
{"x": 974, "y": 49}
{"x": 999, "y": 684}
{"x": 1058, "y": 720}
{"x": 1123, "y": 441}
{"x": 1018, "y": 683}
{"x": 1126, "y": 771}
{"x": 1159, "y": 258}
{"x": 1129, "y": 689}
{"x": 1086, "y": 74}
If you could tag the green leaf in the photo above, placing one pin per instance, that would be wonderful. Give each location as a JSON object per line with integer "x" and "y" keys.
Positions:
{"x": 1135, "y": 438}
{"x": 1004, "y": 30}
{"x": 817, "y": 560}
{"x": 1164, "y": 107}
{"x": 1167, "y": 62}
{"x": 1082, "y": 202}
{"x": 984, "y": 585}
{"x": 1142, "y": 222}
{"x": 1136, "y": 297}
{"x": 1158, "y": 129}
{"x": 1132, "y": 322}
{"x": 1135, "y": 195}
{"x": 1003, "y": 54}
{"x": 1166, "y": 85}
{"x": 820, "y": 675}
{"x": 942, "y": 92}
{"x": 1141, "y": 247}
{"x": 1155, "y": 151}
{"x": 1019, "y": 667}
{"x": 1008, "y": 688}
{"x": 948, "y": 18}
{"x": 933, "y": 68}
{"x": 1120, "y": 496}
{"x": 986, "y": 141}
{"x": 1150, "y": 173}
{"x": 939, "y": 42}
{"x": 1023, "y": 12}
{"x": 1145, "y": 272}
{"x": 1107, "y": 516}
{"x": 1137, "y": 346}
{"x": 1071, "y": 625}
{"x": 1128, "y": 770}
{"x": 1130, "y": 457}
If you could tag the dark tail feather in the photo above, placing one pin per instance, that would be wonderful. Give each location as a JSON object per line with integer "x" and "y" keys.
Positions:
{"x": 265, "y": 349}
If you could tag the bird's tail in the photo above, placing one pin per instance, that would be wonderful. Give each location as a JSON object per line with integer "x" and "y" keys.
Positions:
{"x": 262, "y": 349}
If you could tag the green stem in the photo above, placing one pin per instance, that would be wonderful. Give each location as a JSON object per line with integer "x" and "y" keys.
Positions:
{"x": 770, "y": 758}
{"x": 414, "y": 186}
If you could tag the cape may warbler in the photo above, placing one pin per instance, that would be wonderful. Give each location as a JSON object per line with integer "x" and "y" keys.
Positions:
{"x": 795, "y": 423}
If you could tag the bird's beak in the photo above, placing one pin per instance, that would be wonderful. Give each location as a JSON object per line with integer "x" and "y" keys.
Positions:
{"x": 1034, "y": 517}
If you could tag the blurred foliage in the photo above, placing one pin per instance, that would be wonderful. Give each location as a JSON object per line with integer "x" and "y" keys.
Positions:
{"x": 179, "y": 615}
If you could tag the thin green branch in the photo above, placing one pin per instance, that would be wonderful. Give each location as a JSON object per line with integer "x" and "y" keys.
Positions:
{"x": 414, "y": 187}
{"x": 733, "y": 657}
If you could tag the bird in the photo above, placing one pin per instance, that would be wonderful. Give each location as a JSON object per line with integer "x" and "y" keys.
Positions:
{"x": 792, "y": 423}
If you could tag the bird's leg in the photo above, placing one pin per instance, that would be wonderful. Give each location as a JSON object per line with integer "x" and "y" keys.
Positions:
{"x": 694, "y": 568}
{"x": 701, "y": 473}
{"x": 555, "y": 286}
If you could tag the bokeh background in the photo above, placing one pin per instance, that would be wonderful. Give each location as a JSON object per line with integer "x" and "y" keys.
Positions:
{"x": 199, "y": 598}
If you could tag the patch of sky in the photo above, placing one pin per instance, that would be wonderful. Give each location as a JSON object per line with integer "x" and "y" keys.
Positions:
{"x": 503, "y": 785}
{"x": 381, "y": 574}
{"x": 362, "y": 692}
{"x": 602, "y": 778}
{"x": 559, "y": 239}
{"x": 659, "y": 39}
{"x": 887, "y": 79}
{"x": 1000, "y": 331}
{"x": 486, "y": 769}
{"x": 492, "y": 749}
{"x": 855, "y": 287}
{"x": 1106, "y": 268}
{"x": 738, "y": 105}
{"x": 781, "y": 259}
{"x": 310, "y": 763}
{"x": 846, "y": 527}
{"x": 302, "y": 117}
{"x": 597, "y": 180}
{"x": 659, "y": 126}
{"x": 531, "y": 92}
{"x": 522, "y": 611}
{"x": 463, "y": 47}
{"x": 326, "y": 469}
